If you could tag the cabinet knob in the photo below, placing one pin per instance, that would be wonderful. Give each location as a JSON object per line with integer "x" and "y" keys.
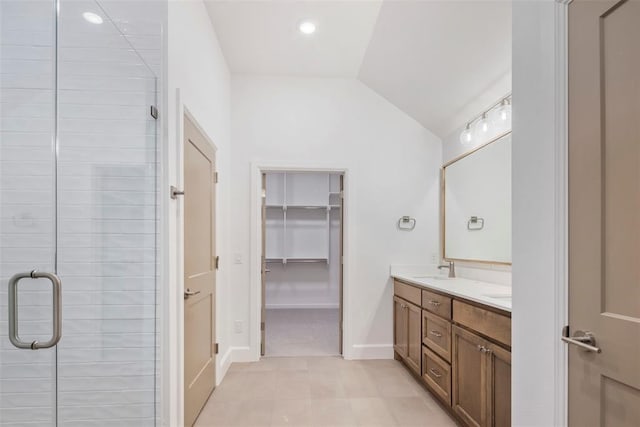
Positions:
{"x": 484, "y": 349}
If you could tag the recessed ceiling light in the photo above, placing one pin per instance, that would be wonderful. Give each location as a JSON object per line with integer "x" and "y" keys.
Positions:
{"x": 307, "y": 27}
{"x": 94, "y": 18}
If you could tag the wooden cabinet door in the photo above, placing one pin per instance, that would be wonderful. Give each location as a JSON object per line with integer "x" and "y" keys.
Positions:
{"x": 400, "y": 327}
{"x": 414, "y": 338}
{"x": 498, "y": 386}
{"x": 469, "y": 396}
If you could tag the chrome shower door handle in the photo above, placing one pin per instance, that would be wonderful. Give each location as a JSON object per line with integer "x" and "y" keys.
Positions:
{"x": 13, "y": 310}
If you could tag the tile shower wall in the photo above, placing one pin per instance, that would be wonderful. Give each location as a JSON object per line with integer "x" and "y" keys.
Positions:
{"x": 106, "y": 218}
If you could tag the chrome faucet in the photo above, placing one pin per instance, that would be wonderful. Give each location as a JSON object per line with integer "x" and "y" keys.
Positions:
{"x": 451, "y": 267}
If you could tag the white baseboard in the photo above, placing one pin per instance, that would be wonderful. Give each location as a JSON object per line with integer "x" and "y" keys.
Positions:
{"x": 371, "y": 351}
{"x": 223, "y": 366}
{"x": 232, "y": 355}
{"x": 243, "y": 354}
{"x": 303, "y": 306}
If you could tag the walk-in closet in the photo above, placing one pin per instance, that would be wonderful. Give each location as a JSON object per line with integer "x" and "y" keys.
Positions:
{"x": 302, "y": 263}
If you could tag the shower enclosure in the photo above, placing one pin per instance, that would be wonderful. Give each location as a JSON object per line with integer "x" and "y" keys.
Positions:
{"x": 78, "y": 215}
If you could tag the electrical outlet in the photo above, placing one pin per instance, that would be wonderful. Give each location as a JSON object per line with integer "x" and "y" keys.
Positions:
{"x": 238, "y": 326}
{"x": 434, "y": 258}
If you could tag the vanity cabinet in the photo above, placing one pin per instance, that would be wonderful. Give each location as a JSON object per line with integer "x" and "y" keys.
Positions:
{"x": 469, "y": 399}
{"x": 460, "y": 350}
{"x": 407, "y": 337}
{"x": 481, "y": 380}
{"x": 498, "y": 386}
{"x": 400, "y": 328}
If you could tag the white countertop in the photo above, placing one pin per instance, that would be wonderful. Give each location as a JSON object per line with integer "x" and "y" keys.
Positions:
{"x": 491, "y": 294}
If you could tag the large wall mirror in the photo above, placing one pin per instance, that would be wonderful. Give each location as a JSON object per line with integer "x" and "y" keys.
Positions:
{"x": 476, "y": 200}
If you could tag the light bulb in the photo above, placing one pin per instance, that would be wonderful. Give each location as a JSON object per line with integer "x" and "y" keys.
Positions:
{"x": 465, "y": 135}
{"x": 482, "y": 127}
{"x": 503, "y": 112}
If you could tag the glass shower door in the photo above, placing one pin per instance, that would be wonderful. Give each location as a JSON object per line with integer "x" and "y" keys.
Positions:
{"x": 27, "y": 209}
{"x": 107, "y": 169}
{"x": 78, "y": 198}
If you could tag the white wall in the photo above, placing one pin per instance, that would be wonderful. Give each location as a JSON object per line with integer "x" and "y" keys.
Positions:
{"x": 392, "y": 170}
{"x": 197, "y": 68}
{"x": 538, "y": 204}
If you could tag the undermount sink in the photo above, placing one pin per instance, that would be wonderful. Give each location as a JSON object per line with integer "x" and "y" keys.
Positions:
{"x": 432, "y": 277}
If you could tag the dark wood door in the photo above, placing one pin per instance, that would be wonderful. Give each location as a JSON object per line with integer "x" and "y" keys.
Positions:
{"x": 469, "y": 397}
{"x": 498, "y": 386}
{"x": 414, "y": 337}
{"x": 400, "y": 327}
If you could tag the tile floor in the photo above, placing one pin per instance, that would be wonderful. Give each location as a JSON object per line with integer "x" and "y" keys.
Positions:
{"x": 302, "y": 332}
{"x": 321, "y": 391}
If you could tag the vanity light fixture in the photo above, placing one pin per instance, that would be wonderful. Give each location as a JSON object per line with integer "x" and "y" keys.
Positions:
{"x": 498, "y": 116}
{"x": 307, "y": 27}
{"x": 94, "y": 18}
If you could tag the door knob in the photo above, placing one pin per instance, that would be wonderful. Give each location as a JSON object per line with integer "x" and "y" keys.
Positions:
{"x": 188, "y": 293}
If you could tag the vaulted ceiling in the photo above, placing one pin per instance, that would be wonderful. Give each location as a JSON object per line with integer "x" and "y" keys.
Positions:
{"x": 440, "y": 61}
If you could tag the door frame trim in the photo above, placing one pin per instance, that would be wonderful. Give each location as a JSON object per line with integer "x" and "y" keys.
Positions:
{"x": 561, "y": 209}
{"x": 255, "y": 293}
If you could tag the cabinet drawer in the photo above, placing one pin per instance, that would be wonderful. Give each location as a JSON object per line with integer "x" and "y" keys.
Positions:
{"x": 436, "y": 303}
{"x": 489, "y": 323}
{"x": 436, "y": 334}
{"x": 437, "y": 374}
{"x": 407, "y": 292}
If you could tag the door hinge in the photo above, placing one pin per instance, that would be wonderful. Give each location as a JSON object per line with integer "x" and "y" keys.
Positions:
{"x": 154, "y": 112}
{"x": 215, "y": 178}
{"x": 262, "y": 326}
{"x": 216, "y": 348}
{"x": 217, "y": 263}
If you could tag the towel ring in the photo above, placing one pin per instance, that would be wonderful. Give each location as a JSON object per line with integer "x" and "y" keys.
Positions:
{"x": 406, "y": 223}
{"x": 475, "y": 223}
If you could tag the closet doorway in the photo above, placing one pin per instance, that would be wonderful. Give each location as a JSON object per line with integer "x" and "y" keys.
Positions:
{"x": 302, "y": 263}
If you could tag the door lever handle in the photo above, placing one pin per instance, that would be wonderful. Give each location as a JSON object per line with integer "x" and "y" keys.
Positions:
{"x": 188, "y": 293}
{"x": 583, "y": 339}
{"x": 175, "y": 192}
